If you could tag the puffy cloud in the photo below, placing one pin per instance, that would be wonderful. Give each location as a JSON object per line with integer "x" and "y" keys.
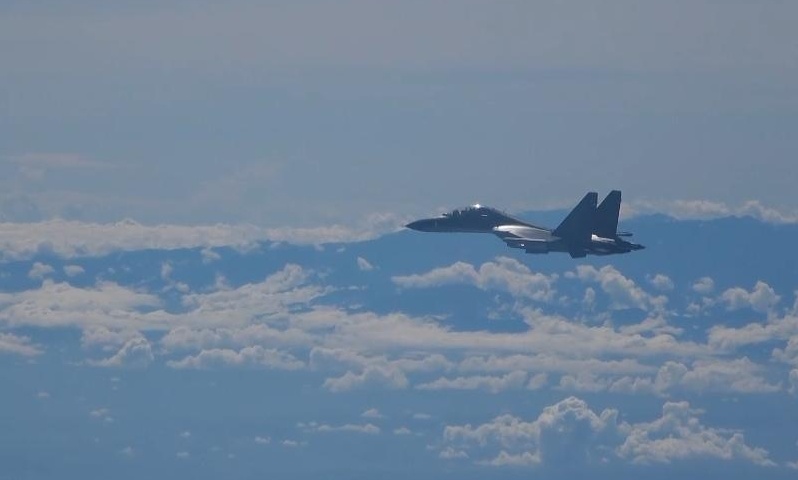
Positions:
{"x": 372, "y": 370}
{"x": 186, "y": 338}
{"x": 106, "y": 338}
{"x": 364, "y": 264}
{"x": 703, "y": 286}
{"x": 17, "y": 345}
{"x": 788, "y": 354}
{"x": 504, "y": 274}
{"x": 40, "y": 270}
{"x": 570, "y": 432}
{"x": 247, "y": 356}
{"x": 623, "y": 291}
{"x": 60, "y": 304}
{"x": 761, "y": 299}
{"x": 739, "y": 375}
{"x": 730, "y": 338}
{"x": 492, "y": 384}
{"x": 372, "y": 413}
{"x": 450, "y": 453}
{"x": 679, "y": 435}
{"x": 137, "y": 352}
{"x": 73, "y": 270}
{"x": 661, "y": 282}
{"x": 263, "y": 440}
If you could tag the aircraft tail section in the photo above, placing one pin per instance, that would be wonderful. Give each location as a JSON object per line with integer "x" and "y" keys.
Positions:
{"x": 578, "y": 225}
{"x": 606, "y": 219}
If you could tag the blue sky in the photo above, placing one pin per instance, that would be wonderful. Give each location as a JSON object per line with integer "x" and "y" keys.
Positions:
{"x": 292, "y": 113}
{"x": 203, "y": 272}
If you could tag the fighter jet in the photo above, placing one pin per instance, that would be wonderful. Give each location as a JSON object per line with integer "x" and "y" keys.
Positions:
{"x": 587, "y": 230}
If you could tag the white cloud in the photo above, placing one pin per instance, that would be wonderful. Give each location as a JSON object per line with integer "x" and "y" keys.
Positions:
{"x": 704, "y": 285}
{"x": 106, "y": 338}
{"x": 69, "y": 239}
{"x": 292, "y": 443}
{"x": 402, "y": 431}
{"x": 102, "y": 414}
{"x": 263, "y": 440}
{"x": 247, "y": 356}
{"x": 137, "y": 352}
{"x": 623, "y": 291}
{"x": 209, "y": 255}
{"x": 40, "y": 270}
{"x": 505, "y": 274}
{"x": 73, "y": 270}
{"x": 705, "y": 209}
{"x": 372, "y": 413}
{"x": 661, "y": 282}
{"x": 364, "y": 264}
{"x": 569, "y": 433}
{"x": 17, "y": 345}
{"x": 739, "y": 375}
{"x": 366, "y": 428}
{"x": 565, "y": 432}
{"x": 761, "y": 299}
{"x": 450, "y": 453}
{"x": 679, "y": 435}
{"x": 373, "y": 370}
{"x": 493, "y": 384}
{"x": 60, "y": 304}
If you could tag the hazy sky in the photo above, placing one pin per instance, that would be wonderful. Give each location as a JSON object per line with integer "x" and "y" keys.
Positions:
{"x": 296, "y": 112}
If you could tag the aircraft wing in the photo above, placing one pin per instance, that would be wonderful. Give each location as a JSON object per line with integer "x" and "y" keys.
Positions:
{"x": 531, "y": 239}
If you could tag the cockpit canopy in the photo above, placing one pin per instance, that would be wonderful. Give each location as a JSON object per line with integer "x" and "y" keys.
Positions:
{"x": 469, "y": 210}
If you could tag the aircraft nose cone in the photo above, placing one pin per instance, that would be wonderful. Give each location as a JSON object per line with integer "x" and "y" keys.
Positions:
{"x": 421, "y": 225}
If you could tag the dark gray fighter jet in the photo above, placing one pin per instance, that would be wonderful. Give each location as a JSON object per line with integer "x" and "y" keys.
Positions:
{"x": 587, "y": 230}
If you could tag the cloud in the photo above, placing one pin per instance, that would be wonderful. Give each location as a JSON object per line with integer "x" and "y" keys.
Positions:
{"x": 704, "y": 285}
{"x": 137, "y": 352}
{"x": 402, "y": 431}
{"x": 263, "y": 440}
{"x": 247, "y": 356}
{"x": 622, "y": 290}
{"x": 493, "y": 384}
{"x": 706, "y": 209}
{"x": 725, "y": 338}
{"x": 40, "y": 270}
{"x": 73, "y": 270}
{"x": 364, "y": 265}
{"x": 570, "y": 432}
{"x": 367, "y": 428}
{"x": 372, "y": 413}
{"x": 69, "y": 239}
{"x": 661, "y": 282}
{"x": 60, "y": 304}
{"x": 761, "y": 299}
{"x": 679, "y": 435}
{"x": 505, "y": 274}
{"x": 17, "y": 345}
{"x": 739, "y": 375}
